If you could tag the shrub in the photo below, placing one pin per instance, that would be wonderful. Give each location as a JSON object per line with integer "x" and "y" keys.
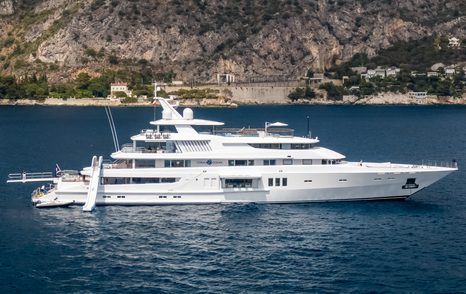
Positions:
{"x": 130, "y": 100}
{"x": 120, "y": 94}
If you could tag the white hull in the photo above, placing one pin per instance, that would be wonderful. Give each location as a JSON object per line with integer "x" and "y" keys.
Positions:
{"x": 205, "y": 186}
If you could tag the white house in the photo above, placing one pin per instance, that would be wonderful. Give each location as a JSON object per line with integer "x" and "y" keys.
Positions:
{"x": 119, "y": 87}
{"x": 417, "y": 95}
{"x": 392, "y": 71}
{"x": 453, "y": 42}
{"x": 450, "y": 71}
{"x": 380, "y": 72}
{"x": 225, "y": 78}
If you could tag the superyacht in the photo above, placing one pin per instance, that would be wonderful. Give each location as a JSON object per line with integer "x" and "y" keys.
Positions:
{"x": 185, "y": 160}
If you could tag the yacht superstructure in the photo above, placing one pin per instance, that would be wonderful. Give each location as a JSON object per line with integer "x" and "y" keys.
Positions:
{"x": 175, "y": 163}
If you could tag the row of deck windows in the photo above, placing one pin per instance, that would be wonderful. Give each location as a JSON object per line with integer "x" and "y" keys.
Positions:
{"x": 150, "y": 163}
{"x": 240, "y": 162}
{"x": 122, "y": 181}
{"x": 282, "y": 146}
{"x": 177, "y": 163}
{"x": 277, "y": 181}
{"x": 238, "y": 183}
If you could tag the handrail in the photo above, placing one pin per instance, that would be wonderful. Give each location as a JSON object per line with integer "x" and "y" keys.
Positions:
{"x": 439, "y": 163}
{"x": 29, "y": 176}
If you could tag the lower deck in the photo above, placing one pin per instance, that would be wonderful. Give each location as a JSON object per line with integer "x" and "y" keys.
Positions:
{"x": 272, "y": 186}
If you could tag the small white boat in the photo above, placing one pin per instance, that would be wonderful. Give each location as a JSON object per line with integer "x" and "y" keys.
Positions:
{"x": 53, "y": 203}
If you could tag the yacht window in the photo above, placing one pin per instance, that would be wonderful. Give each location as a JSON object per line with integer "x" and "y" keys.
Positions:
{"x": 301, "y": 146}
{"x": 269, "y": 162}
{"x": 307, "y": 161}
{"x": 115, "y": 181}
{"x": 168, "y": 180}
{"x": 151, "y": 147}
{"x": 146, "y": 180}
{"x": 238, "y": 183}
{"x": 284, "y": 181}
{"x": 324, "y": 161}
{"x": 287, "y": 161}
{"x": 144, "y": 163}
{"x": 277, "y": 182}
{"x": 286, "y": 146}
{"x": 282, "y": 146}
{"x": 270, "y": 182}
{"x": 240, "y": 162}
{"x": 266, "y": 146}
{"x": 177, "y": 163}
{"x": 120, "y": 181}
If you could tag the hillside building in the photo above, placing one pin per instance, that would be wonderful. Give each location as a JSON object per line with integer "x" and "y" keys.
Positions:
{"x": 417, "y": 95}
{"x": 453, "y": 42}
{"x": 225, "y": 78}
{"x": 119, "y": 87}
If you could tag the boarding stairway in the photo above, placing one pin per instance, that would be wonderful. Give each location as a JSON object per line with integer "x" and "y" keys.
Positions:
{"x": 93, "y": 183}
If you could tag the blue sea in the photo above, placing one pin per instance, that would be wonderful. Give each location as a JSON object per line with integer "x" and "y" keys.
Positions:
{"x": 415, "y": 246}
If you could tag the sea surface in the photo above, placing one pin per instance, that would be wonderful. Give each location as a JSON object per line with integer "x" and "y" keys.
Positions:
{"x": 416, "y": 246}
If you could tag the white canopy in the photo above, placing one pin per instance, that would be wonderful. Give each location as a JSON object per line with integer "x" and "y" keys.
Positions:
{"x": 186, "y": 122}
{"x": 277, "y": 124}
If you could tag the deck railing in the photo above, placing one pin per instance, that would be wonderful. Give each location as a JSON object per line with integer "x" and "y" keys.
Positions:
{"x": 439, "y": 163}
{"x": 254, "y": 132}
{"x": 30, "y": 176}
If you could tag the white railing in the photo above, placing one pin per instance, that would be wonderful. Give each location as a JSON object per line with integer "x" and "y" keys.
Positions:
{"x": 30, "y": 176}
{"x": 439, "y": 163}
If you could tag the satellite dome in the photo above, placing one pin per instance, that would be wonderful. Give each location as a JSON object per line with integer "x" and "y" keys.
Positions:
{"x": 188, "y": 113}
{"x": 166, "y": 114}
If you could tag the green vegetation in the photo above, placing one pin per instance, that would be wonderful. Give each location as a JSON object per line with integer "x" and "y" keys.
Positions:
{"x": 300, "y": 93}
{"x": 120, "y": 95}
{"x": 417, "y": 55}
{"x": 84, "y": 85}
{"x": 32, "y": 87}
{"x": 129, "y": 100}
{"x": 334, "y": 92}
{"x": 414, "y": 59}
{"x": 196, "y": 93}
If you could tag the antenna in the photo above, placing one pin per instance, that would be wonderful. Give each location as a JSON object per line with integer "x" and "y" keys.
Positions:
{"x": 308, "y": 126}
{"x": 112, "y": 128}
{"x": 155, "y": 100}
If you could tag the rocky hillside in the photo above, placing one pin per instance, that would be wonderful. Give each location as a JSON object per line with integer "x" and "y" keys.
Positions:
{"x": 198, "y": 38}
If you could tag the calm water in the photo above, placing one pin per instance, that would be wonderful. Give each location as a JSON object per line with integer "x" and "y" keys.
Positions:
{"x": 416, "y": 245}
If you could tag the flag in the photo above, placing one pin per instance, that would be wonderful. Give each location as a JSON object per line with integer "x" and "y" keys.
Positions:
{"x": 57, "y": 168}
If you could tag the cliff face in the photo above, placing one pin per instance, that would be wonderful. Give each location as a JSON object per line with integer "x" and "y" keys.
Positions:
{"x": 198, "y": 38}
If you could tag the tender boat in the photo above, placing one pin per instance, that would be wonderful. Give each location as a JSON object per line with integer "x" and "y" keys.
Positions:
{"x": 53, "y": 203}
{"x": 175, "y": 162}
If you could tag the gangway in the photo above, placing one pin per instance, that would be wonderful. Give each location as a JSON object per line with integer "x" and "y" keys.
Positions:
{"x": 93, "y": 183}
{"x": 25, "y": 177}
